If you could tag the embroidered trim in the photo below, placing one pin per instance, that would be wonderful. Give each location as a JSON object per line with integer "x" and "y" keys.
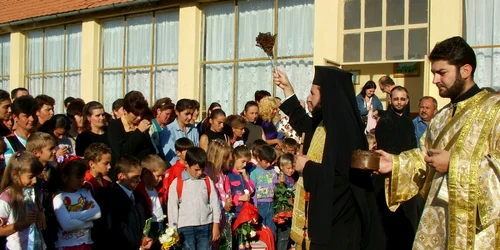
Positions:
{"x": 463, "y": 179}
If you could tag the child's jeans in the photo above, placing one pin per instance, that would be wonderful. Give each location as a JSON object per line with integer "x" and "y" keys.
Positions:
{"x": 283, "y": 241}
{"x": 196, "y": 237}
{"x": 266, "y": 212}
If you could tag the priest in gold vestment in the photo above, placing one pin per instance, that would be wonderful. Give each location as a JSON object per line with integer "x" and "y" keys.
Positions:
{"x": 457, "y": 168}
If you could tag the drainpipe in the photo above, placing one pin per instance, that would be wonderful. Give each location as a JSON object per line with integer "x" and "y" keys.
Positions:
{"x": 76, "y": 12}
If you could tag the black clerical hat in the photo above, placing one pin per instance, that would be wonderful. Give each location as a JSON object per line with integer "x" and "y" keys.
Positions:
{"x": 327, "y": 74}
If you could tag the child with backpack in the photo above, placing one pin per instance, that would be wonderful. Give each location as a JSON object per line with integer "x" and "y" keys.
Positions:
{"x": 193, "y": 205}
{"x": 181, "y": 147}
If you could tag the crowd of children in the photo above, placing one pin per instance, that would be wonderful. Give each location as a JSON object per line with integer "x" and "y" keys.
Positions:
{"x": 76, "y": 205}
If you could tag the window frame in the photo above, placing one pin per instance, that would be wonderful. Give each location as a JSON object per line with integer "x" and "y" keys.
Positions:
{"x": 234, "y": 61}
{"x": 42, "y": 74}
{"x": 406, "y": 27}
{"x": 125, "y": 68}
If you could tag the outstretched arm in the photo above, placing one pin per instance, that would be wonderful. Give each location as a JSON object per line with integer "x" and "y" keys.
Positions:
{"x": 407, "y": 174}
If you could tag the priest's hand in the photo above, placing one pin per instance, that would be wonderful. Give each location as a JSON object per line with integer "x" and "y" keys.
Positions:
{"x": 300, "y": 162}
{"x": 438, "y": 159}
{"x": 281, "y": 80}
{"x": 385, "y": 162}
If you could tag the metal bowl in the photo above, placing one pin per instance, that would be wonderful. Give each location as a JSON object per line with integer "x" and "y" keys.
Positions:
{"x": 365, "y": 160}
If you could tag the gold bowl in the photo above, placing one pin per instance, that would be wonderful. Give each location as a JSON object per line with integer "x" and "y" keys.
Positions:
{"x": 365, "y": 160}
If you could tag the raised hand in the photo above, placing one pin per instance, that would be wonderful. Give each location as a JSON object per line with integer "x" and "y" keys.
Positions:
{"x": 144, "y": 125}
{"x": 281, "y": 80}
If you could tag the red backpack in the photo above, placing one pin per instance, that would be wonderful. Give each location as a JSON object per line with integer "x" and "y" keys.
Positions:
{"x": 180, "y": 185}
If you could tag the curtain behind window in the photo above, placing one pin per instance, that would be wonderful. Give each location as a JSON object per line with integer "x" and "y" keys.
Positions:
{"x": 482, "y": 26}
{"x": 53, "y": 54}
{"x": 140, "y": 55}
{"x": 4, "y": 61}
{"x": 295, "y": 37}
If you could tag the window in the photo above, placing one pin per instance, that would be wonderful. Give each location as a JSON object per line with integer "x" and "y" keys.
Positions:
{"x": 4, "y": 61}
{"x": 140, "y": 53}
{"x": 234, "y": 67}
{"x": 53, "y": 62}
{"x": 385, "y": 30}
{"x": 482, "y": 20}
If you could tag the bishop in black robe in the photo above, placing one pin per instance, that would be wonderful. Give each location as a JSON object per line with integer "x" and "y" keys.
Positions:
{"x": 342, "y": 212}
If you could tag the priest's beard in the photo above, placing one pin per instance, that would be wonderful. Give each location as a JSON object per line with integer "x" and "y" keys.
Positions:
{"x": 455, "y": 89}
{"x": 317, "y": 113}
{"x": 398, "y": 111}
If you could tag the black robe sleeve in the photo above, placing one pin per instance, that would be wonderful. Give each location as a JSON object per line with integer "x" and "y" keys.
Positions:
{"x": 299, "y": 120}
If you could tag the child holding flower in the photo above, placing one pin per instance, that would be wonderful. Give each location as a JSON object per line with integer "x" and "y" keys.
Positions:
{"x": 264, "y": 178}
{"x": 238, "y": 183}
{"x": 284, "y": 199}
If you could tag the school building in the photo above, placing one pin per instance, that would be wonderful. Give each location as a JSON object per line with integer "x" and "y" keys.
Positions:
{"x": 206, "y": 49}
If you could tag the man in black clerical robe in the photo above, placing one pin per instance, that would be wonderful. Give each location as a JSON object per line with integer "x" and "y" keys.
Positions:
{"x": 342, "y": 210}
{"x": 395, "y": 133}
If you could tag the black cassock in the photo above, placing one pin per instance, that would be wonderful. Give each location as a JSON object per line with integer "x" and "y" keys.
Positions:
{"x": 396, "y": 134}
{"x": 342, "y": 212}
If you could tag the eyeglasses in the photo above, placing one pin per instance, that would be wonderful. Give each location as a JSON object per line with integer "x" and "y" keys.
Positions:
{"x": 395, "y": 99}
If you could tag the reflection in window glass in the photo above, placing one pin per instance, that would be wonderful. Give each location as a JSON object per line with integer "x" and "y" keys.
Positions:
{"x": 394, "y": 45}
{"x": 395, "y": 12}
{"x": 417, "y": 43}
{"x": 373, "y": 46}
{"x": 373, "y": 13}
{"x": 418, "y": 11}
{"x": 351, "y": 47}
{"x": 352, "y": 14}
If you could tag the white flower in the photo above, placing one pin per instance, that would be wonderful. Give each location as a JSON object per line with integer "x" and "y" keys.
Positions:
{"x": 252, "y": 234}
{"x": 165, "y": 238}
{"x": 170, "y": 231}
{"x": 246, "y": 191}
{"x": 277, "y": 169}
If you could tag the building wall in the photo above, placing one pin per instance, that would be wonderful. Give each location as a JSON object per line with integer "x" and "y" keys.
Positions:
{"x": 327, "y": 49}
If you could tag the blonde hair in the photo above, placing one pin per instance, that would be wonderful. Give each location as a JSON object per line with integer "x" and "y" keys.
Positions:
{"x": 267, "y": 105}
{"x": 218, "y": 157}
{"x": 286, "y": 158}
{"x": 38, "y": 140}
{"x": 19, "y": 163}
{"x": 153, "y": 163}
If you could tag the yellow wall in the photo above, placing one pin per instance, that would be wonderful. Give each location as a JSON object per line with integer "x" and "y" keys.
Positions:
{"x": 90, "y": 61}
{"x": 17, "y": 59}
{"x": 442, "y": 27}
{"x": 189, "y": 51}
{"x": 326, "y": 30}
